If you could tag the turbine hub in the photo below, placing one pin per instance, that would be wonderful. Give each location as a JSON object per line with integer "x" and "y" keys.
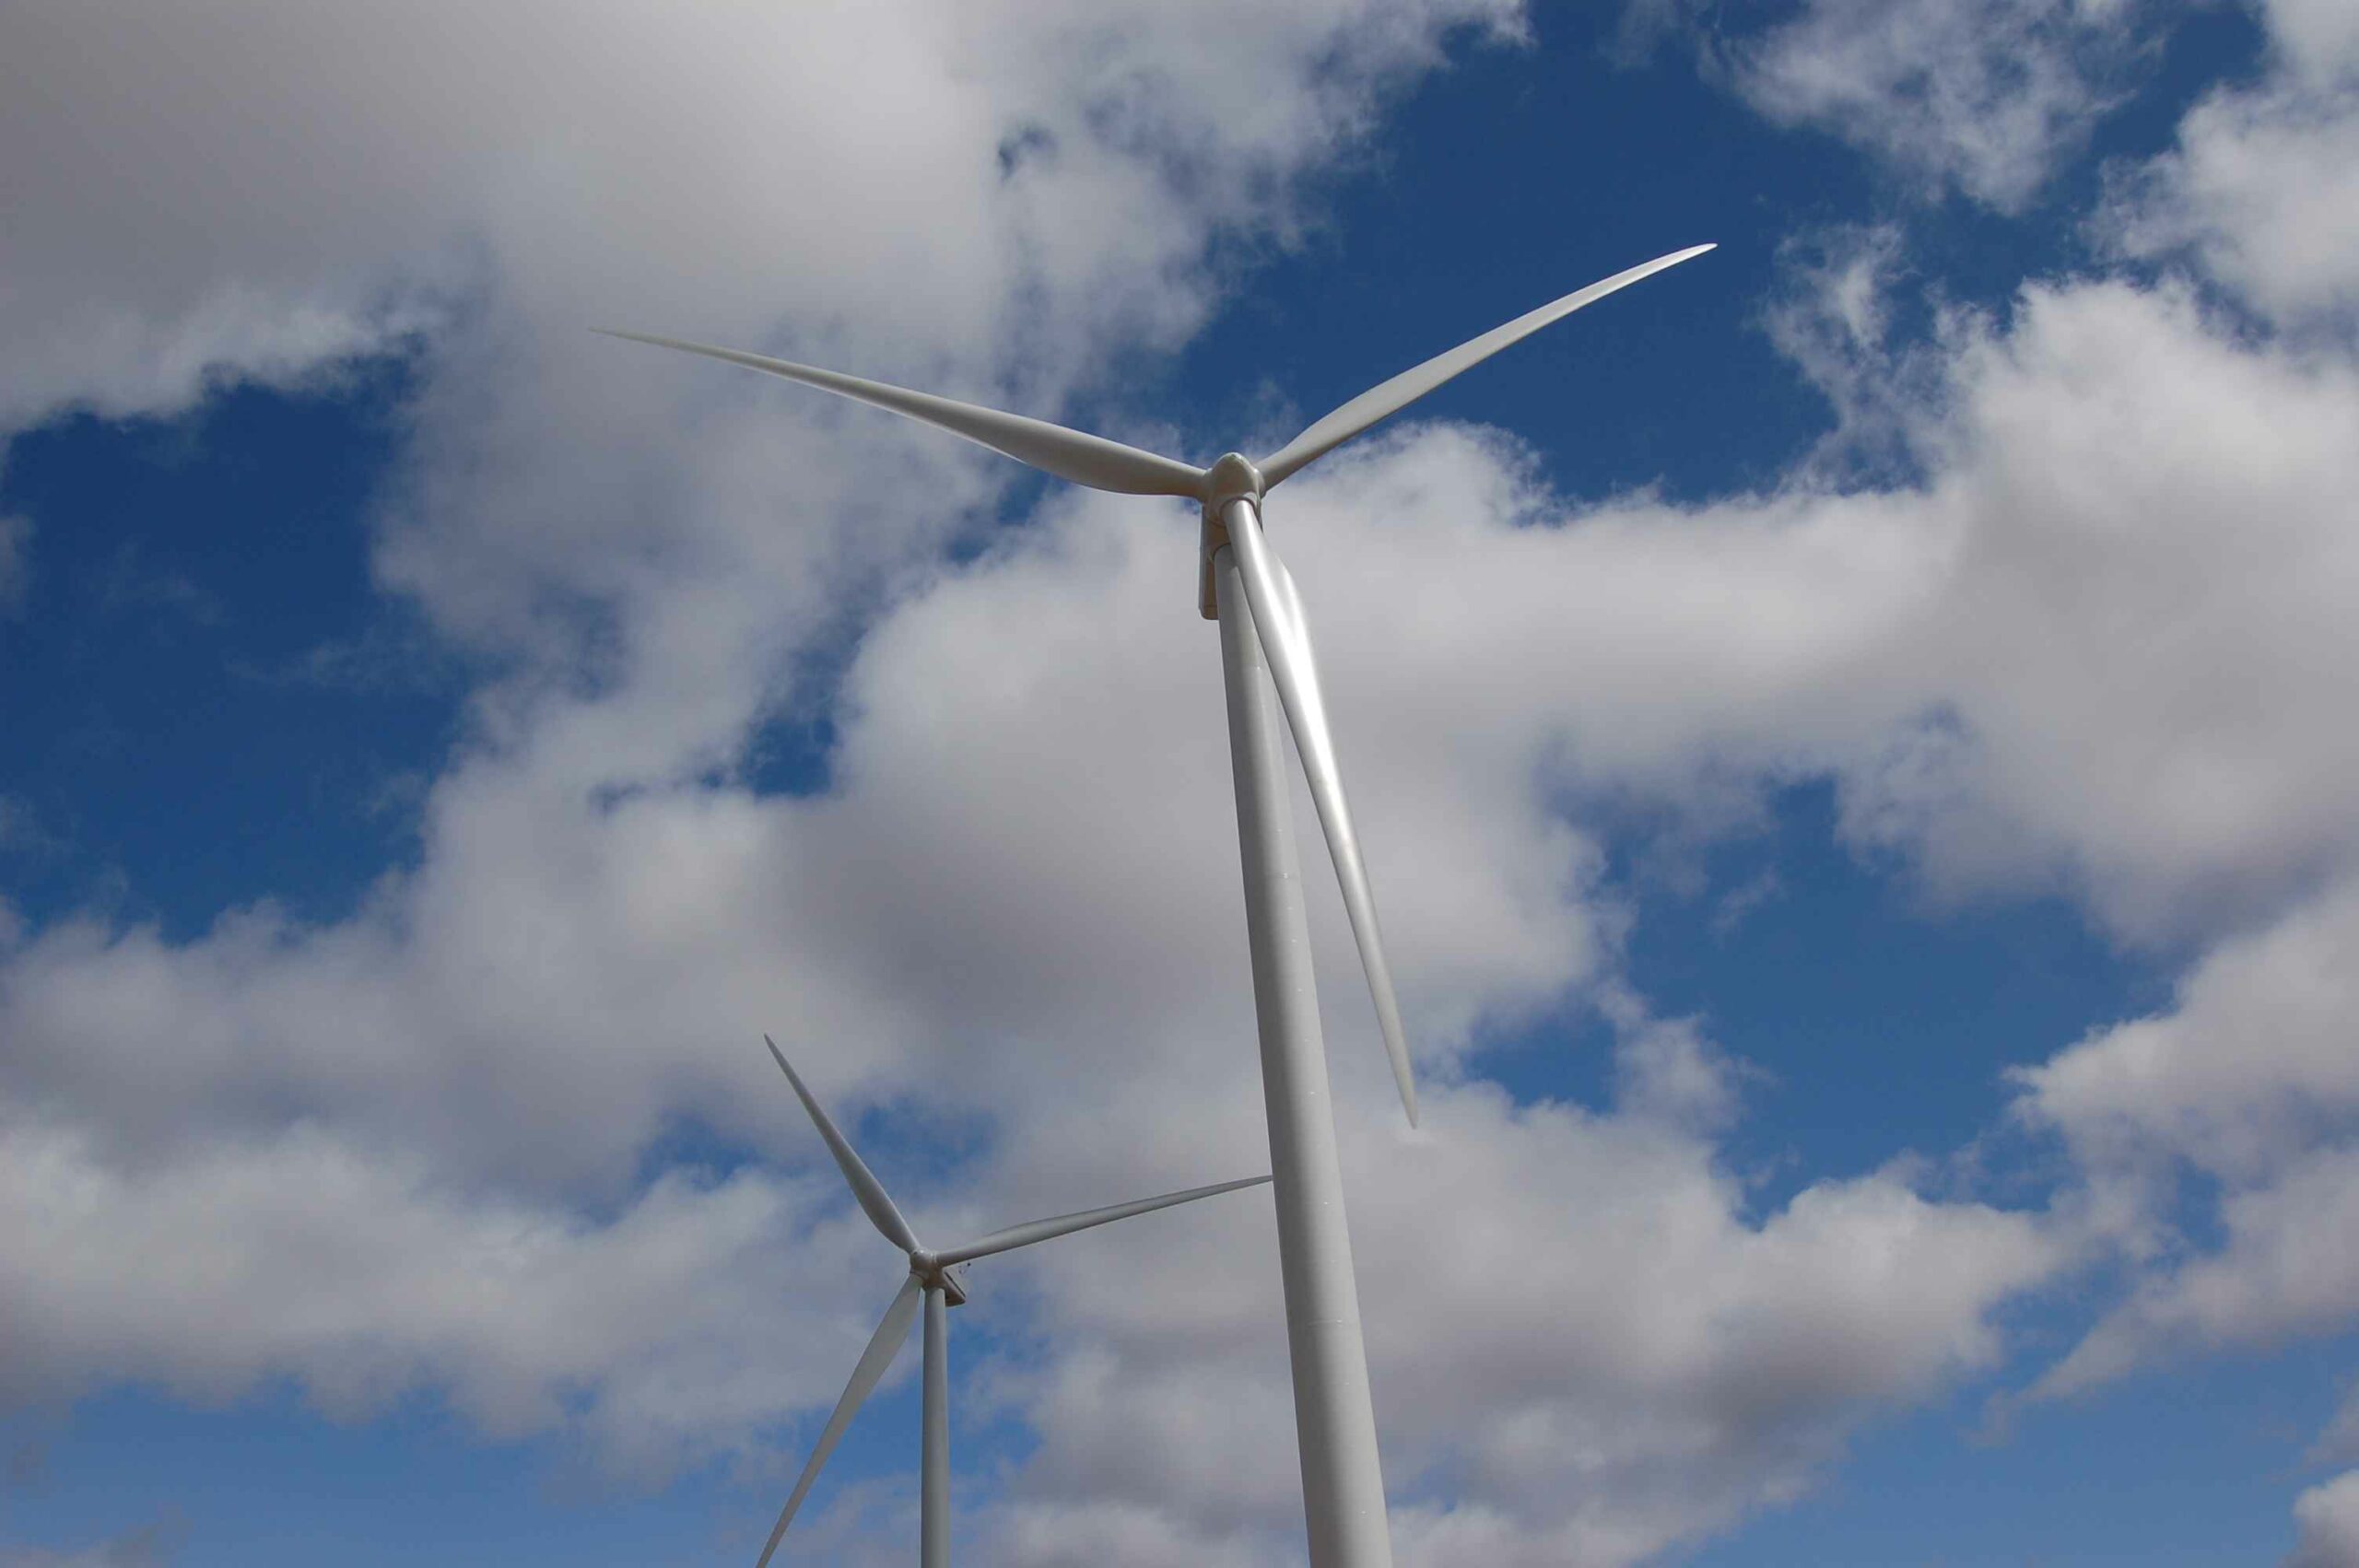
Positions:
{"x": 950, "y": 1279}
{"x": 1233, "y": 478}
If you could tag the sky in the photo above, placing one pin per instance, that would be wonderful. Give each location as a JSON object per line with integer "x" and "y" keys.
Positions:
{"x": 1851, "y": 738}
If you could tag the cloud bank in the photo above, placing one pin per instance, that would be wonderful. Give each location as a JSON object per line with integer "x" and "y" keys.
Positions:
{"x": 2095, "y": 644}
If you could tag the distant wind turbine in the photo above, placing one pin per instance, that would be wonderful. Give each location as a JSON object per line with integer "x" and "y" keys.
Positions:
{"x": 939, "y": 1278}
{"x": 1243, "y": 585}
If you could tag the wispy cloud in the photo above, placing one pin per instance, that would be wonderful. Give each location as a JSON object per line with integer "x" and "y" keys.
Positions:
{"x": 16, "y": 536}
{"x": 1983, "y": 97}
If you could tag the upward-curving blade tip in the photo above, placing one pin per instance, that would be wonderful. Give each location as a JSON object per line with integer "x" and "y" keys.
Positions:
{"x": 1387, "y": 398}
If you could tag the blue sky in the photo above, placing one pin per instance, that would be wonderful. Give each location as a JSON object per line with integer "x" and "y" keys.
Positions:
{"x": 1851, "y": 737}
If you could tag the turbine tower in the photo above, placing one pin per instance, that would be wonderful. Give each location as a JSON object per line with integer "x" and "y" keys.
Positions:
{"x": 940, "y": 1279}
{"x": 1265, "y": 640}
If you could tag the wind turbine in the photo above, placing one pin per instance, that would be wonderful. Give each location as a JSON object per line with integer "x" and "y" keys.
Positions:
{"x": 1243, "y": 585}
{"x": 939, "y": 1277}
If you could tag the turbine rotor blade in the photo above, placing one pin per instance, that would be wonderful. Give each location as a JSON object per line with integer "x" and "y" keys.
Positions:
{"x": 1014, "y": 1236}
{"x": 1286, "y": 643}
{"x": 1390, "y": 397}
{"x": 1069, "y": 454}
{"x": 874, "y": 1200}
{"x": 882, "y": 1346}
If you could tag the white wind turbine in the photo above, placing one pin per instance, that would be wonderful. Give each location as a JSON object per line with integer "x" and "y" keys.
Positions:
{"x": 1243, "y": 585}
{"x": 939, "y": 1278}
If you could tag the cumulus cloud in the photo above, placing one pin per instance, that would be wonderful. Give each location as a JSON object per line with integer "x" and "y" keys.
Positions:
{"x": 2328, "y": 1515}
{"x": 2248, "y": 1080}
{"x": 2262, "y": 188}
{"x": 593, "y": 931}
{"x": 256, "y": 190}
{"x": 2278, "y": 1274}
{"x": 266, "y": 191}
{"x": 2179, "y": 793}
{"x": 364, "y": 1277}
{"x": 1644, "y": 1367}
{"x": 2242, "y": 1082}
{"x": 2095, "y": 640}
{"x": 2097, "y": 644}
{"x": 2135, "y": 648}
{"x": 568, "y": 969}
{"x": 1629, "y": 1361}
{"x": 2250, "y": 1063}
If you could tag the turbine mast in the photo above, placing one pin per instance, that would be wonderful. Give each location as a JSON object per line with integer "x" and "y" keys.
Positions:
{"x": 1342, "y": 1481}
{"x": 933, "y": 1476}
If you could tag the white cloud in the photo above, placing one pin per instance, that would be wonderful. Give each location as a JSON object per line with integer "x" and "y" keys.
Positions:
{"x": 2100, "y": 644}
{"x": 2328, "y": 1516}
{"x": 266, "y": 190}
{"x": 697, "y": 1311}
{"x": 1988, "y": 97}
{"x": 1579, "y": 1346}
{"x": 2263, "y": 188}
{"x": 1635, "y": 1365}
{"x": 583, "y": 504}
{"x": 593, "y": 934}
{"x": 2131, "y": 668}
{"x": 2266, "y": 185}
{"x": 2252, "y": 1060}
{"x": 2250, "y": 1079}
{"x": 2281, "y": 1273}
{"x": 257, "y": 190}
{"x": 2317, "y": 38}
{"x": 559, "y": 977}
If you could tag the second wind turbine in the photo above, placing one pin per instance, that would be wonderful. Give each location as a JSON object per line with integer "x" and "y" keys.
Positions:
{"x": 936, "y": 1277}
{"x": 1265, "y": 640}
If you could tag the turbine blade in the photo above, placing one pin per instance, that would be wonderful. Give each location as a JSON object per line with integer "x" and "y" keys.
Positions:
{"x": 1015, "y": 1236}
{"x": 1286, "y": 642}
{"x": 873, "y": 1200}
{"x": 882, "y": 1346}
{"x": 1069, "y": 454}
{"x": 1379, "y": 401}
